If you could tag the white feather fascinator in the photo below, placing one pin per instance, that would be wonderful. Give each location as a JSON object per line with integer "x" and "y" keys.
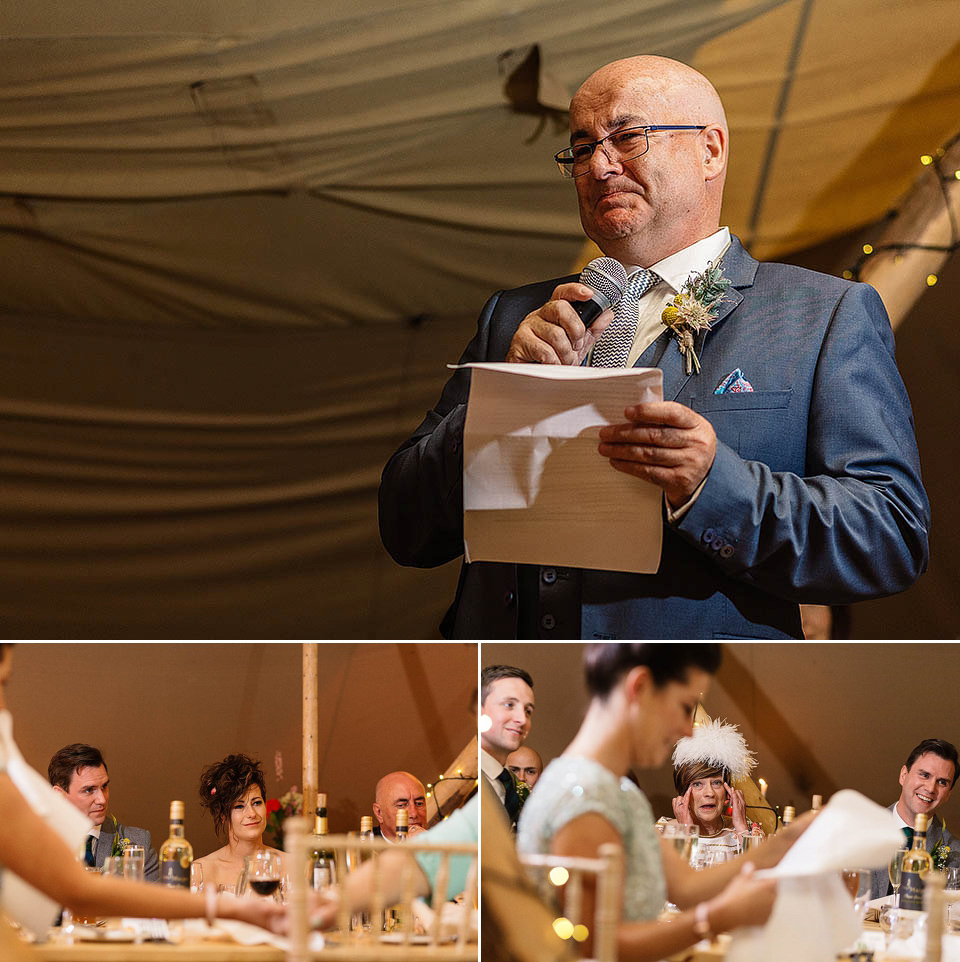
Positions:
{"x": 716, "y": 744}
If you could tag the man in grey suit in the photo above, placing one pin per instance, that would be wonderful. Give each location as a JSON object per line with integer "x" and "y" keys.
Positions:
{"x": 784, "y": 446}
{"x": 80, "y": 773}
{"x": 926, "y": 781}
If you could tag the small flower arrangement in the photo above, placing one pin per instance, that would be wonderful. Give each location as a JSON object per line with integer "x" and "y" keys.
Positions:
{"x": 279, "y": 809}
{"x": 694, "y": 309}
{"x": 940, "y": 856}
{"x": 523, "y": 789}
{"x": 120, "y": 844}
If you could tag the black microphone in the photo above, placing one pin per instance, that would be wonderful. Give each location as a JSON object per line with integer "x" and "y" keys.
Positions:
{"x": 608, "y": 279}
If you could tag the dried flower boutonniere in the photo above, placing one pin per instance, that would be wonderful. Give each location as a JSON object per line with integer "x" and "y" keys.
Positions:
{"x": 694, "y": 309}
{"x": 120, "y": 843}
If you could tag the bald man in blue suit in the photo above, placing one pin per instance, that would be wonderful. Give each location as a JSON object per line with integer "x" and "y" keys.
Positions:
{"x": 788, "y": 462}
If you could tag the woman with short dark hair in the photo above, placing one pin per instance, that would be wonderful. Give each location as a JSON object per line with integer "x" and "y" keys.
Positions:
{"x": 234, "y": 792}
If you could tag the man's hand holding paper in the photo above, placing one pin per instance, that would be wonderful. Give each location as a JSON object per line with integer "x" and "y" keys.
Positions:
{"x": 665, "y": 443}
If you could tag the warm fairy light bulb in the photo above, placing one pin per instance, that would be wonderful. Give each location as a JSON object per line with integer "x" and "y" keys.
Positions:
{"x": 563, "y": 927}
{"x": 558, "y": 875}
{"x": 931, "y": 280}
{"x": 956, "y": 174}
{"x": 580, "y": 933}
{"x": 926, "y": 160}
{"x": 868, "y": 248}
{"x": 485, "y": 722}
{"x": 848, "y": 275}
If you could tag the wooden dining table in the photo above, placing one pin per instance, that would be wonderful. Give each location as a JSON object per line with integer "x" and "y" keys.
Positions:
{"x": 222, "y": 950}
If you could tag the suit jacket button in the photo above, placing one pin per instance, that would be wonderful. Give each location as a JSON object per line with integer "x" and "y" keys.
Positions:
{"x": 708, "y": 536}
{"x": 548, "y": 622}
{"x": 726, "y": 551}
{"x": 508, "y": 598}
{"x": 549, "y": 575}
{"x": 717, "y": 544}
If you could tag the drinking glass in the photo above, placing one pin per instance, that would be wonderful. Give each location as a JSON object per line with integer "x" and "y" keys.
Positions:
{"x": 893, "y": 870}
{"x": 857, "y": 883}
{"x": 133, "y": 860}
{"x": 683, "y": 838}
{"x": 196, "y": 877}
{"x": 113, "y": 866}
{"x": 324, "y": 874}
{"x": 750, "y": 843}
{"x": 262, "y": 875}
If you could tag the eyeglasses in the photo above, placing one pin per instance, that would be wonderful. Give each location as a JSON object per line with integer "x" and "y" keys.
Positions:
{"x": 626, "y": 144}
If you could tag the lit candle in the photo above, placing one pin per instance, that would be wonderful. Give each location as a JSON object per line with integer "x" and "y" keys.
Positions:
{"x": 763, "y": 787}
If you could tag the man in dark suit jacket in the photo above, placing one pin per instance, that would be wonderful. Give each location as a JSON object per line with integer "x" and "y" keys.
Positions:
{"x": 79, "y": 772}
{"x": 926, "y": 781}
{"x": 787, "y": 462}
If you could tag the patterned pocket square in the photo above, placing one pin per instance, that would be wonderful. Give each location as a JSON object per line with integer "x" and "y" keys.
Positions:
{"x": 734, "y": 383}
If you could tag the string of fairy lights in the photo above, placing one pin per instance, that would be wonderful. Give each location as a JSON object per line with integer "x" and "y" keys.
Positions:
{"x": 459, "y": 777}
{"x": 937, "y": 161}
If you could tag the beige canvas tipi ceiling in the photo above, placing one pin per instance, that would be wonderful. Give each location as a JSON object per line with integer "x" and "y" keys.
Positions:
{"x": 240, "y": 241}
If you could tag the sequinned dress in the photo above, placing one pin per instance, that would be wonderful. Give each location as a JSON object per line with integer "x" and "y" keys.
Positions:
{"x": 571, "y": 786}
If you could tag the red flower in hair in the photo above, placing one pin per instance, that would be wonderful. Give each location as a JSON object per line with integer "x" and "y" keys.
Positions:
{"x": 272, "y": 806}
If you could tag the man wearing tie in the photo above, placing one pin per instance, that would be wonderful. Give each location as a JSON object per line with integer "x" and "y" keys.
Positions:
{"x": 80, "y": 773}
{"x": 926, "y": 781}
{"x": 784, "y": 446}
{"x": 506, "y": 711}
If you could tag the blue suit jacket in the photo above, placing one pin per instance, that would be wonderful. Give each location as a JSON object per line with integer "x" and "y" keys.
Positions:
{"x": 814, "y": 496}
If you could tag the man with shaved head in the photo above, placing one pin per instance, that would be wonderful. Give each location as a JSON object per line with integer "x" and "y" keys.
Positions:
{"x": 783, "y": 447}
{"x": 395, "y": 791}
{"x": 526, "y": 765}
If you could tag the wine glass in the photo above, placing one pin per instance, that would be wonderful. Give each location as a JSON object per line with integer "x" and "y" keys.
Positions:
{"x": 196, "y": 877}
{"x": 683, "y": 838}
{"x": 262, "y": 874}
{"x": 857, "y": 882}
{"x": 893, "y": 870}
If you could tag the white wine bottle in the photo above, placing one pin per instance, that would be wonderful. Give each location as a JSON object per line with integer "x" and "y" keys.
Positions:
{"x": 403, "y": 825}
{"x": 916, "y": 864}
{"x": 324, "y": 862}
{"x": 176, "y": 853}
{"x": 789, "y": 814}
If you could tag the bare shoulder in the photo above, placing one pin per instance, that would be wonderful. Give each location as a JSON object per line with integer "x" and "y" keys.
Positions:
{"x": 582, "y": 836}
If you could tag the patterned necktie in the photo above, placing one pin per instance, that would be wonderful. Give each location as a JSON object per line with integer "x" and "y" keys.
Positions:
{"x": 511, "y": 799}
{"x": 613, "y": 346}
{"x": 908, "y": 832}
{"x": 88, "y": 852}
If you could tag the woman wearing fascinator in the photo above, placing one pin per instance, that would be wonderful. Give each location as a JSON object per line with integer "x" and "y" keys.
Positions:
{"x": 706, "y": 765}
{"x": 643, "y": 697}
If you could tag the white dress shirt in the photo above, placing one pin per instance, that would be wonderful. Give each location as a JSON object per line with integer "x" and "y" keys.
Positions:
{"x": 491, "y": 769}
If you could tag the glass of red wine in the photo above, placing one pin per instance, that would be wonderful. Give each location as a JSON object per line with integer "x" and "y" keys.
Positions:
{"x": 262, "y": 873}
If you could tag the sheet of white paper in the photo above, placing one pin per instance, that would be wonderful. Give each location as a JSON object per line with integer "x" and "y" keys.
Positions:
{"x": 813, "y": 917}
{"x": 535, "y": 490}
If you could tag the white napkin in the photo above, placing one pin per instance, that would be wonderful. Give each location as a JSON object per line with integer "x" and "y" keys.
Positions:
{"x": 243, "y": 933}
{"x": 33, "y": 910}
{"x": 813, "y": 917}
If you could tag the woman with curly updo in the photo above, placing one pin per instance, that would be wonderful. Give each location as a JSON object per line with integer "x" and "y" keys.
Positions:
{"x": 234, "y": 792}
